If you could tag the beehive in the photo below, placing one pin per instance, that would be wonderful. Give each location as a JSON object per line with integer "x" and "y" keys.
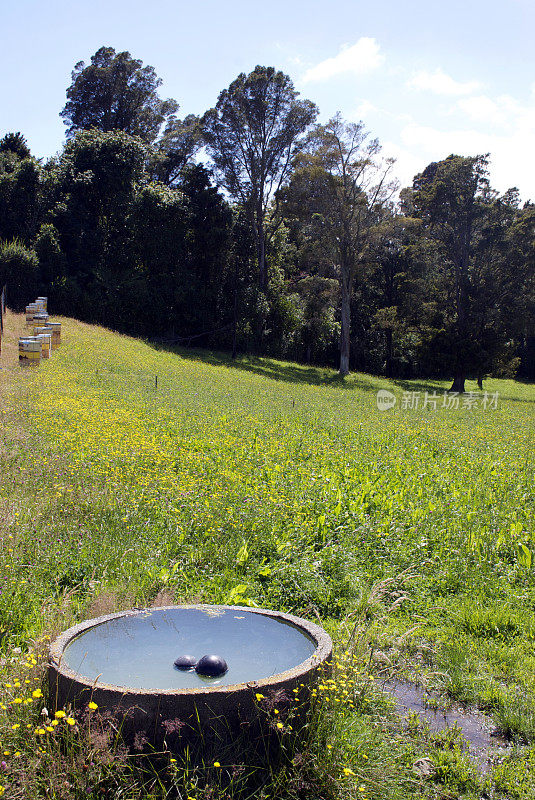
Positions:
{"x": 30, "y": 349}
{"x": 56, "y": 334}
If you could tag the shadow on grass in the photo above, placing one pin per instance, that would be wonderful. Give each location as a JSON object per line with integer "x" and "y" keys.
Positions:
{"x": 286, "y": 372}
{"x": 422, "y": 385}
{"x": 442, "y": 385}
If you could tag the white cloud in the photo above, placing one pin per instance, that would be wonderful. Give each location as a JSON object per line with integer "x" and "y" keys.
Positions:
{"x": 440, "y": 82}
{"x": 508, "y": 163}
{"x": 364, "y": 110}
{"x": 407, "y": 164}
{"x": 482, "y": 109}
{"x": 433, "y": 141}
{"x": 358, "y": 59}
{"x": 504, "y": 112}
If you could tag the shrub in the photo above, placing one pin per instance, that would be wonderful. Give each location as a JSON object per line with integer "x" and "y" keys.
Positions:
{"x": 19, "y": 270}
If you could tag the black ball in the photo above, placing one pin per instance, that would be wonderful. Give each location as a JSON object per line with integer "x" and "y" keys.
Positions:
{"x": 213, "y": 666}
{"x": 185, "y": 662}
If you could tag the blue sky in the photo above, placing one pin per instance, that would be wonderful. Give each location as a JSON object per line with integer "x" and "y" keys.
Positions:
{"x": 427, "y": 78}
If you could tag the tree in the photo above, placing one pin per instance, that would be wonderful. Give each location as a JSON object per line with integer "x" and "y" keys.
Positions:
{"x": 20, "y": 190}
{"x": 174, "y": 151}
{"x": 516, "y": 288}
{"x": 91, "y": 190}
{"x": 456, "y": 205}
{"x": 19, "y": 270}
{"x": 339, "y": 190}
{"x": 390, "y": 294}
{"x": 252, "y": 135}
{"x": 316, "y": 296}
{"x": 116, "y": 92}
{"x": 15, "y": 143}
{"x": 210, "y": 226}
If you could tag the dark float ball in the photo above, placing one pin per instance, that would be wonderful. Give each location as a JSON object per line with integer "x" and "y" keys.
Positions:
{"x": 185, "y": 662}
{"x": 211, "y": 666}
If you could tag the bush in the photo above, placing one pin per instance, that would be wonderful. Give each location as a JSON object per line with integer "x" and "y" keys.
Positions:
{"x": 19, "y": 270}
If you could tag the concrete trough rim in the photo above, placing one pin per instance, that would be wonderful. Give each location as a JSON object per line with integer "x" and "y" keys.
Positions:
{"x": 322, "y": 654}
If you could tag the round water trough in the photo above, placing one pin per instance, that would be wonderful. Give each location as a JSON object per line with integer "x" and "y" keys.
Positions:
{"x": 125, "y": 663}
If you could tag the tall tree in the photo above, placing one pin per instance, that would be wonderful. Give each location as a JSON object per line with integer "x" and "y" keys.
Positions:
{"x": 453, "y": 199}
{"x": 339, "y": 189}
{"x": 252, "y": 135}
{"x": 116, "y": 92}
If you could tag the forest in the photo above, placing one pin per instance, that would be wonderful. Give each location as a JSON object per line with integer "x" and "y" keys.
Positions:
{"x": 256, "y": 229}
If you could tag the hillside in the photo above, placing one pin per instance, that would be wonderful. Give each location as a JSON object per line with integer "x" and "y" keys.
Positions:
{"x": 133, "y": 475}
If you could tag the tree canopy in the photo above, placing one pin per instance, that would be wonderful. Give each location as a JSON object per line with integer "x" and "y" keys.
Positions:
{"x": 251, "y": 136}
{"x": 116, "y": 92}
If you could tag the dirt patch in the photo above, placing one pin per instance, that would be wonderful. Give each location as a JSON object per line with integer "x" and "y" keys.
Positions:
{"x": 483, "y": 742}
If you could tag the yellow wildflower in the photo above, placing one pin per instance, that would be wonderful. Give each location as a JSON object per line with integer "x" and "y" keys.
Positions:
{"x": 92, "y": 706}
{"x": 70, "y": 721}
{"x": 59, "y": 714}
{"x": 217, "y": 764}
{"x": 348, "y": 771}
{"x": 37, "y": 693}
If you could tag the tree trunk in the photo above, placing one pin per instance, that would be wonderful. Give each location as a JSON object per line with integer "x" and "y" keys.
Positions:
{"x": 261, "y": 249}
{"x": 458, "y": 384}
{"x": 235, "y": 324}
{"x": 345, "y": 318}
{"x": 480, "y": 382}
{"x": 389, "y": 349}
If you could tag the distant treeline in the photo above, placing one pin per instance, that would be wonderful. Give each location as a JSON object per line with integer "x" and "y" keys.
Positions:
{"x": 255, "y": 229}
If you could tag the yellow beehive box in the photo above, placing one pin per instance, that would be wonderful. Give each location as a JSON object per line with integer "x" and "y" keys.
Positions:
{"x": 30, "y": 350}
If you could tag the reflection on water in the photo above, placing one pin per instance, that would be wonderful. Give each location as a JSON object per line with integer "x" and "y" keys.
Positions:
{"x": 139, "y": 650}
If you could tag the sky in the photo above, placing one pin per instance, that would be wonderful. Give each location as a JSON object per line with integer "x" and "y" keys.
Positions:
{"x": 426, "y": 78}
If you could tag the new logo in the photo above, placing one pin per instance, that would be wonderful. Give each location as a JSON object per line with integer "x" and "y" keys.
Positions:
{"x": 385, "y": 400}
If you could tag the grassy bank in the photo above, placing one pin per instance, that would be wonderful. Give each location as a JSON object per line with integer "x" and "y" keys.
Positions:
{"x": 409, "y": 533}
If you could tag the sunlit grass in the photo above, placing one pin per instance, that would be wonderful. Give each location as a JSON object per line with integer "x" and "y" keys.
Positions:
{"x": 131, "y": 474}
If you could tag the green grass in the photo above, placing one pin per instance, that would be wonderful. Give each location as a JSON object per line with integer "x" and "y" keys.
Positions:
{"x": 408, "y": 532}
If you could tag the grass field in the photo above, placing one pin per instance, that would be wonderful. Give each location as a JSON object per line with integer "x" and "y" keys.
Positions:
{"x": 409, "y": 533}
